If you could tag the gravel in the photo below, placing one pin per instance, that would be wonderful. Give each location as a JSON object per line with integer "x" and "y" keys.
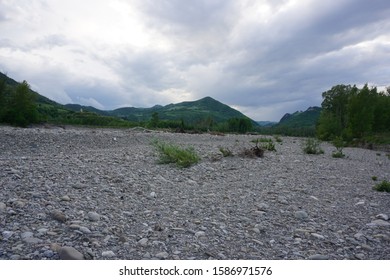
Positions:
{"x": 87, "y": 193}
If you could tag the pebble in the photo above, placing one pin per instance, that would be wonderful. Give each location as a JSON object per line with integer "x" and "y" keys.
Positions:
{"x": 319, "y": 236}
{"x": 153, "y": 195}
{"x": 58, "y": 216}
{"x": 84, "y": 229}
{"x": 318, "y": 257}
{"x": 65, "y": 198}
{"x": 70, "y": 253}
{"x": 143, "y": 242}
{"x": 199, "y": 234}
{"x": 162, "y": 255}
{"x": 382, "y": 217}
{"x": 7, "y": 234}
{"x": 302, "y": 215}
{"x": 108, "y": 254}
{"x": 3, "y": 206}
{"x": 379, "y": 223}
{"x": 93, "y": 216}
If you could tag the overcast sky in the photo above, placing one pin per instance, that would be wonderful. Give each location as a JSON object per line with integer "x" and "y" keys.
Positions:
{"x": 262, "y": 57}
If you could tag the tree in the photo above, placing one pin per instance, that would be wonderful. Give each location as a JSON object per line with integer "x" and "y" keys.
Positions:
{"x": 2, "y": 99}
{"x": 22, "y": 108}
{"x": 154, "y": 121}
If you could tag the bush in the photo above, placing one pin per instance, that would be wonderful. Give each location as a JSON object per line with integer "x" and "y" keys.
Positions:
{"x": 169, "y": 153}
{"x": 312, "y": 147}
{"x": 383, "y": 187}
{"x": 266, "y": 144}
{"x": 278, "y": 139}
{"x": 338, "y": 142}
{"x": 226, "y": 152}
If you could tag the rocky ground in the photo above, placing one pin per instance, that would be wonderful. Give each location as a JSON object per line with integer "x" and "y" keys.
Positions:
{"x": 100, "y": 194}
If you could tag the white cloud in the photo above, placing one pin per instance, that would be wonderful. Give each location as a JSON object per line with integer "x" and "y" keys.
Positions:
{"x": 264, "y": 57}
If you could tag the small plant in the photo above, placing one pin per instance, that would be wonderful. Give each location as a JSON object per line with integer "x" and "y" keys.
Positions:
{"x": 278, "y": 139}
{"x": 383, "y": 187}
{"x": 338, "y": 142}
{"x": 312, "y": 147}
{"x": 169, "y": 153}
{"x": 374, "y": 178}
{"x": 226, "y": 152}
{"x": 266, "y": 144}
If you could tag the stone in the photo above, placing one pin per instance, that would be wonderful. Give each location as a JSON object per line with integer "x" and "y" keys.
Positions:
{"x": 319, "y": 236}
{"x": 27, "y": 234}
{"x": 263, "y": 206}
{"x": 58, "y": 216}
{"x": 318, "y": 257}
{"x": 3, "y": 207}
{"x": 199, "y": 234}
{"x": 84, "y": 229}
{"x": 65, "y": 198}
{"x": 143, "y": 242}
{"x": 32, "y": 240}
{"x": 153, "y": 195}
{"x": 108, "y": 254}
{"x": 301, "y": 215}
{"x": 93, "y": 216}
{"x": 379, "y": 223}
{"x": 162, "y": 255}
{"x": 7, "y": 234}
{"x": 70, "y": 253}
{"x": 382, "y": 217}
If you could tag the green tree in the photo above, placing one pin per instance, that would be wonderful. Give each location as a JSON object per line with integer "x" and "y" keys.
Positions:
{"x": 22, "y": 108}
{"x": 154, "y": 121}
{"x": 2, "y": 99}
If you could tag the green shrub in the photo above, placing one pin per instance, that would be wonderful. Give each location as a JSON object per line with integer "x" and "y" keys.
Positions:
{"x": 338, "y": 142}
{"x": 226, "y": 152}
{"x": 312, "y": 147}
{"x": 266, "y": 144}
{"x": 383, "y": 187}
{"x": 170, "y": 153}
{"x": 374, "y": 178}
{"x": 278, "y": 139}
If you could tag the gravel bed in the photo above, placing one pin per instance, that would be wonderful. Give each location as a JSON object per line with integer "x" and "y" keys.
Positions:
{"x": 86, "y": 193}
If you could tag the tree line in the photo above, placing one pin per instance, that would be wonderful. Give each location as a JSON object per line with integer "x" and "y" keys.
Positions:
{"x": 352, "y": 113}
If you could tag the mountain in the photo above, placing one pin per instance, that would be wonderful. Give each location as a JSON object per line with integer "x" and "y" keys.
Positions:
{"x": 266, "y": 123}
{"x": 300, "y": 119}
{"x": 188, "y": 111}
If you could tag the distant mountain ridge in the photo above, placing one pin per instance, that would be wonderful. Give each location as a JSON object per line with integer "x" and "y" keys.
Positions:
{"x": 306, "y": 118}
{"x": 188, "y": 111}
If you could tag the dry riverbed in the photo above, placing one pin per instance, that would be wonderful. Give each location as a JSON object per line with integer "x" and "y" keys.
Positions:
{"x": 100, "y": 194}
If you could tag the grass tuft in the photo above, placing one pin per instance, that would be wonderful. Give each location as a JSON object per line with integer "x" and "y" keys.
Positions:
{"x": 170, "y": 153}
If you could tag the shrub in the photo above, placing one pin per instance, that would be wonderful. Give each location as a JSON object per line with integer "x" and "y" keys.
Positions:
{"x": 383, "y": 187}
{"x": 226, "y": 152}
{"x": 266, "y": 144}
{"x": 338, "y": 142}
{"x": 252, "y": 152}
{"x": 170, "y": 153}
{"x": 374, "y": 178}
{"x": 278, "y": 139}
{"x": 312, "y": 147}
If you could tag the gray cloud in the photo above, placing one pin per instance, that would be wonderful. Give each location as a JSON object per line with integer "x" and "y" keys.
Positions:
{"x": 264, "y": 57}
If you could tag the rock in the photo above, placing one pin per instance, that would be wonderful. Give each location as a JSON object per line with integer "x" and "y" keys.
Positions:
{"x": 65, "y": 198}
{"x": 27, "y": 234}
{"x": 58, "y": 216}
{"x": 319, "y": 236}
{"x": 282, "y": 199}
{"x": 313, "y": 197}
{"x": 359, "y": 203}
{"x": 143, "y": 242}
{"x": 93, "y": 216}
{"x": 48, "y": 254}
{"x": 153, "y": 195}
{"x": 379, "y": 223}
{"x": 7, "y": 234}
{"x": 383, "y": 217}
{"x": 162, "y": 255}
{"x": 199, "y": 234}
{"x": 3, "y": 207}
{"x": 32, "y": 240}
{"x": 302, "y": 215}
{"x": 318, "y": 257}
{"x": 70, "y": 253}
{"x": 360, "y": 256}
{"x": 84, "y": 229}
{"x": 263, "y": 207}
{"x": 108, "y": 254}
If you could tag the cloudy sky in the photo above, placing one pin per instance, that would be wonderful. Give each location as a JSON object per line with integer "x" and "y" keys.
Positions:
{"x": 263, "y": 57}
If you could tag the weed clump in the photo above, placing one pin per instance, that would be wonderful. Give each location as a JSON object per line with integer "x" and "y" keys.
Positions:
{"x": 383, "y": 187}
{"x": 312, "y": 147}
{"x": 170, "y": 153}
{"x": 265, "y": 144}
{"x": 226, "y": 152}
{"x": 339, "y": 145}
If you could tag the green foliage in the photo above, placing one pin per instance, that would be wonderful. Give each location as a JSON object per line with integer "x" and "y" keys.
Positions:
{"x": 338, "y": 142}
{"x": 226, "y": 152}
{"x": 384, "y": 186}
{"x": 240, "y": 125}
{"x": 21, "y": 107}
{"x": 353, "y": 113}
{"x": 170, "y": 153}
{"x": 374, "y": 178}
{"x": 278, "y": 139}
{"x": 312, "y": 147}
{"x": 265, "y": 144}
{"x": 154, "y": 121}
